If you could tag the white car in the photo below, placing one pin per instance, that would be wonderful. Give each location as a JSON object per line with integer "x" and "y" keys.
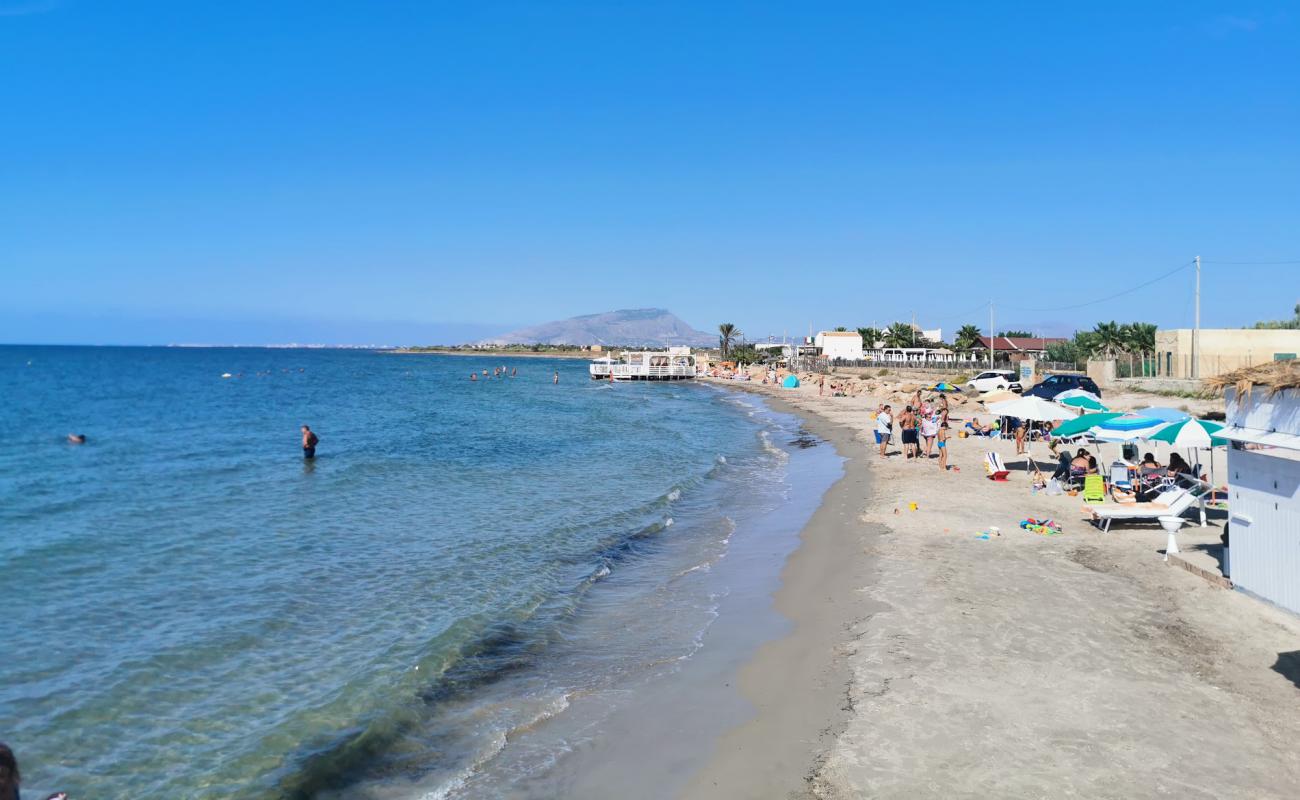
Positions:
{"x": 993, "y": 381}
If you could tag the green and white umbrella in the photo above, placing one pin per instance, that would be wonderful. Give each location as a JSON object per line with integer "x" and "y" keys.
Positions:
{"x": 1190, "y": 433}
{"x": 1084, "y": 402}
{"x": 1083, "y": 424}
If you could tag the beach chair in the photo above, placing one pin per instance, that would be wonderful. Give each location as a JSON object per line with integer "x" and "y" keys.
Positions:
{"x": 1170, "y": 503}
{"x": 1120, "y": 481}
{"x": 1094, "y": 489}
{"x": 996, "y": 469}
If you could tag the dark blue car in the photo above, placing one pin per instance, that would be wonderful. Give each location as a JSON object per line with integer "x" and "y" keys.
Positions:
{"x": 1053, "y": 385}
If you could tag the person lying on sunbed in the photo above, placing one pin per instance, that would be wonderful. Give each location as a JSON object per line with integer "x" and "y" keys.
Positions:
{"x": 974, "y": 426}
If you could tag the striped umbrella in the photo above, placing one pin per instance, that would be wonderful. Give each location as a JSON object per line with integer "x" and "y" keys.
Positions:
{"x": 1082, "y": 424}
{"x": 1164, "y": 413}
{"x": 1127, "y": 428}
{"x": 1081, "y": 401}
{"x": 943, "y": 386}
{"x": 1190, "y": 433}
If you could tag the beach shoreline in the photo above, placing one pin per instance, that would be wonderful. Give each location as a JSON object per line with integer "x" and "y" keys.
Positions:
{"x": 404, "y": 351}
{"x": 1009, "y": 664}
{"x": 775, "y": 752}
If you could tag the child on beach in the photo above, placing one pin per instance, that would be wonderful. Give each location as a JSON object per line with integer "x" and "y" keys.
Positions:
{"x": 943, "y": 438}
{"x": 884, "y": 428}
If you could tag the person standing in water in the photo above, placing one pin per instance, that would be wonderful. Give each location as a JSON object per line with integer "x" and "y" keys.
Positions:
{"x": 309, "y": 442}
{"x": 556, "y": 379}
{"x": 473, "y": 376}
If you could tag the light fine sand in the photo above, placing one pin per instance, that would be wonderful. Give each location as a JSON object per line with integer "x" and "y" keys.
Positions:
{"x": 925, "y": 662}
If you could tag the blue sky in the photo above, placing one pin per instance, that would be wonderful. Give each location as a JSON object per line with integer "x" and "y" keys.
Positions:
{"x": 362, "y": 172}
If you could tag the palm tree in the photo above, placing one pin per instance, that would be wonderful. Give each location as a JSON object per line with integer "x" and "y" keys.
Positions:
{"x": 727, "y": 333}
{"x": 900, "y": 334}
{"x": 967, "y": 338}
{"x": 1107, "y": 339}
{"x": 869, "y": 337}
{"x": 1139, "y": 337}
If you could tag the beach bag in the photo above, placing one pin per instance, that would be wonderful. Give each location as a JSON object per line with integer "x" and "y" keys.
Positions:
{"x": 1054, "y": 487}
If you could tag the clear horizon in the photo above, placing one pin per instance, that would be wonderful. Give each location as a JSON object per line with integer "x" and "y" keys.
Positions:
{"x": 437, "y": 174}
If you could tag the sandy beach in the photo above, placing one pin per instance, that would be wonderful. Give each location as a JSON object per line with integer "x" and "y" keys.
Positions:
{"x": 927, "y": 662}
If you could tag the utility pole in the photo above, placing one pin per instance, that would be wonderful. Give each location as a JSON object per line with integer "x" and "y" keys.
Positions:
{"x": 1196, "y": 325}
{"x": 914, "y": 329}
{"x": 991, "y": 338}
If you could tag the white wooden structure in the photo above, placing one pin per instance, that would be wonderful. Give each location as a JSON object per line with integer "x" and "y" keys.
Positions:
{"x": 1264, "y": 493}
{"x": 675, "y": 364}
{"x": 840, "y": 345}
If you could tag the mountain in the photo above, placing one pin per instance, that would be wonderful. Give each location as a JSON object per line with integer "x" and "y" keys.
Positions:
{"x": 629, "y": 327}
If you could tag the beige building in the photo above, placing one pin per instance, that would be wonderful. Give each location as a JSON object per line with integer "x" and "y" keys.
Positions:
{"x": 1221, "y": 350}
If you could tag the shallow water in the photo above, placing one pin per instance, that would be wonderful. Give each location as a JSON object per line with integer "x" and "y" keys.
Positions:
{"x": 467, "y": 578}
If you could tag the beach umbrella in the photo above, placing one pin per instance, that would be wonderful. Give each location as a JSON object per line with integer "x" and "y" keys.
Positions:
{"x": 1068, "y": 393}
{"x": 1083, "y": 424}
{"x": 943, "y": 386}
{"x": 1127, "y": 428}
{"x": 998, "y": 397}
{"x": 1080, "y": 401}
{"x": 1190, "y": 433}
{"x": 1031, "y": 408}
{"x": 1164, "y": 413}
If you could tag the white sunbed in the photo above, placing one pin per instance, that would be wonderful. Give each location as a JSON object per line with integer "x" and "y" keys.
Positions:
{"x": 1171, "y": 503}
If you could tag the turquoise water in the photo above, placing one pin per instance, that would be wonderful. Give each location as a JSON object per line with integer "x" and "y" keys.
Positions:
{"x": 194, "y": 611}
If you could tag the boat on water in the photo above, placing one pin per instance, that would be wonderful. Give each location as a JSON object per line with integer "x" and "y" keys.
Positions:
{"x": 675, "y": 364}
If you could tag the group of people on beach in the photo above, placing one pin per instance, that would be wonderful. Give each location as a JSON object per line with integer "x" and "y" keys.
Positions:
{"x": 923, "y": 423}
{"x": 838, "y": 389}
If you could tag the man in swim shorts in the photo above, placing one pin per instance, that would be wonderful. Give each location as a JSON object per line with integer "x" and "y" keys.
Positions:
{"x": 309, "y": 442}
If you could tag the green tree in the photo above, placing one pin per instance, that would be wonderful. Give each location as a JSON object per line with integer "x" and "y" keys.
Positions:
{"x": 1016, "y": 334}
{"x": 1107, "y": 339}
{"x": 727, "y": 334}
{"x": 841, "y": 329}
{"x": 900, "y": 334}
{"x": 1139, "y": 337}
{"x": 1281, "y": 324}
{"x": 869, "y": 337}
{"x": 1066, "y": 352}
{"x": 967, "y": 338}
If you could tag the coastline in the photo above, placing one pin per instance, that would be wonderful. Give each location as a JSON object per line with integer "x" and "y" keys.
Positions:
{"x": 775, "y": 752}
{"x": 1015, "y": 666}
{"x": 489, "y": 353}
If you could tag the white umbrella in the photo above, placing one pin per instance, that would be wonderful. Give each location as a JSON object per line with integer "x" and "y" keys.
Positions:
{"x": 1068, "y": 393}
{"x": 1032, "y": 408}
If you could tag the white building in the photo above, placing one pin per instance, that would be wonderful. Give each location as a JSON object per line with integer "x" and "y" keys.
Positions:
{"x": 840, "y": 345}
{"x": 1264, "y": 481}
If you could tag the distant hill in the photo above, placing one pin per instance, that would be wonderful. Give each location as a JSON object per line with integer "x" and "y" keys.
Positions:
{"x": 629, "y": 327}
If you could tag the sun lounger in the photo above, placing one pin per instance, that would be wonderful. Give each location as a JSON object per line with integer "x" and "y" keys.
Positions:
{"x": 1171, "y": 503}
{"x": 1094, "y": 489}
{"x": 996, "y": 469}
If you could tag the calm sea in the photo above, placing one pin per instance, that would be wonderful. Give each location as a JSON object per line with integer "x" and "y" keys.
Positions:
{"x": 191, "y": 610}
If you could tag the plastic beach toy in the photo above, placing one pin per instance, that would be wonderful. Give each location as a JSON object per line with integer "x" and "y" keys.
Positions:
{"x": 1042, "y": 527}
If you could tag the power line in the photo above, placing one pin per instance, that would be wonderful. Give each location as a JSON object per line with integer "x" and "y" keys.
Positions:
{"x": 1107, "y": 298}
{"x": 1208, "y": 261}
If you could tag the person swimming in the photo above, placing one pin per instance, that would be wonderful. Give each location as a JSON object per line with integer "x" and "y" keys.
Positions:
{"x": 76, "y": 438}
{"x": 309, "y": 442}
{"x": 473, "y": 376}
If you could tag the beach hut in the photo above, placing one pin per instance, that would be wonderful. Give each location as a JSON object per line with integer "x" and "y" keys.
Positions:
{"x": 1263, "y": 405}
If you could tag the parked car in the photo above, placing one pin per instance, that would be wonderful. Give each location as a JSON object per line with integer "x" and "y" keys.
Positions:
{"x": 1053, "y": 385}
{"x": 992, "y": 381}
